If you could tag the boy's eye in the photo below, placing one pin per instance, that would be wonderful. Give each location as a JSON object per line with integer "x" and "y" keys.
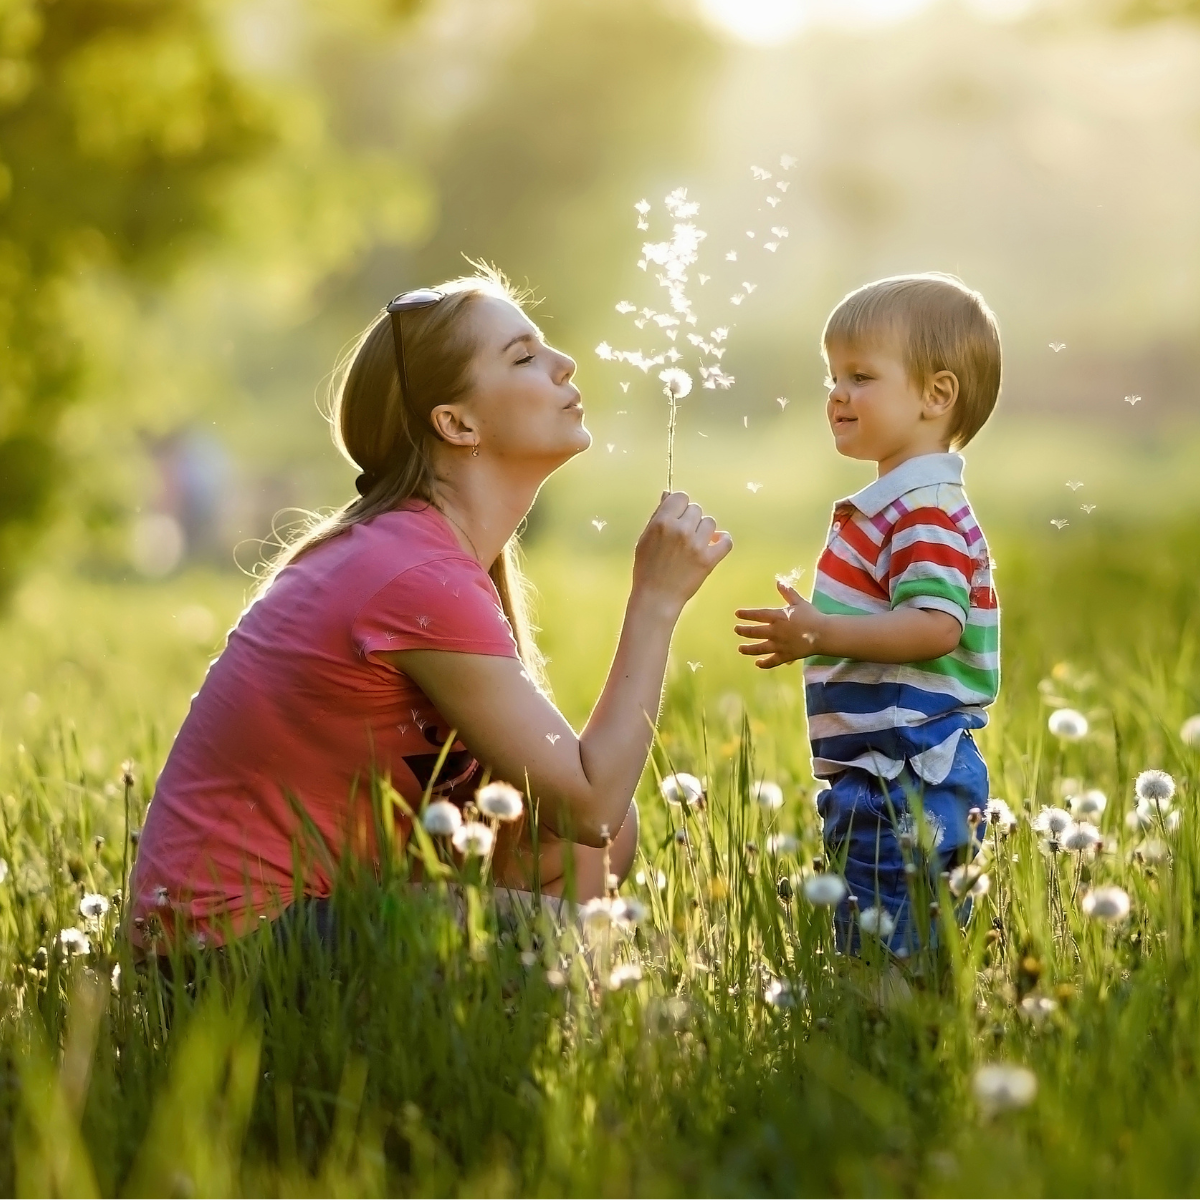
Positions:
{"x": 861, "y": 378}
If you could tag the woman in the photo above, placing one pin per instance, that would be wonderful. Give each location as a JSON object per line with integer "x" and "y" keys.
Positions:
{"x": 401, "y": 618}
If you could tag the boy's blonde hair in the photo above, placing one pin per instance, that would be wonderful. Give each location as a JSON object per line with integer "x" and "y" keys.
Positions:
{"x": 943, "y": 326}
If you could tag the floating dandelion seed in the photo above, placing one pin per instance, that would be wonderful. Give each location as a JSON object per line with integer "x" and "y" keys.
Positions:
{"x": 772, "y": 246}
{"x": 74, "y": 941}
{"x": 1058, "y": 346}
{"x": 610, "y": 446}
{"x": 754, "y": 487}
{"x": 737, "y": 298}
{"x": 626, "y": 975}
{"x": 423, "y": 622}
{"x": 1081, "y": 837}
{"x": 877, "y": 921}
{"x": 500, "y": 801}
{"x": 93, "y": 906}
{"x": 1051, "y": 823}
{"x": 695, "y": 666}
{"x": 1074, "y": 484}
{"x": 1189, "y": 731}
{"x": 599, "y": 524}
{"x": 1156, "y": 788}
{"x": 782, "y": 186}
{"x": 681, "y": 788}
{"x": 605, "y": 351}
{"x": 731, "y": 256}
{"x": 759, "y": 173}
{"x": 772, "y": 200}
{"x": 749, "y": 287}
{"x": 625, "y": 307}
{"x": 1110, "y": 904}
{"x": 703, "y": 278}
{"x": 745, "y": 422}
{"x": 642, "y": 207}
{"x": 780, "y": 231}
{"x": 999, "y": 1087}
{"x": 1059, "y": 522}
{"x": 553, "y": 737}
{"x": 778, "y": 994}
{"x": 1087, "y": 508}
{"x": 787, "y": 162}
{"x": 1132, "y": 399}
{"x": 1089, "y": 804}
{"x": 824, "y": 890}
{"x": 473, "y": 839}
{"x": 442, "y": 819}
{"x": 643, "y": 224}
{"x": 1068, "y": 724}
{"x": 782, "y": 401}
{"x": 768, "y": 794}
{"x": 750, "y": 233}
{"x": 624, "y": 388}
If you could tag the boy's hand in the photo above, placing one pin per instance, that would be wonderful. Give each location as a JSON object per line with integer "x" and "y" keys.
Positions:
{"x": 785, "y": 634}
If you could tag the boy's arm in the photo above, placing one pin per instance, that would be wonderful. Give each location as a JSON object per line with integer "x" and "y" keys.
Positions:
{"x": 900, "y": 636}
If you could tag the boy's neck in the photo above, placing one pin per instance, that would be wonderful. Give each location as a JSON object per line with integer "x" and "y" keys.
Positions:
{"x": 885, "y": 466}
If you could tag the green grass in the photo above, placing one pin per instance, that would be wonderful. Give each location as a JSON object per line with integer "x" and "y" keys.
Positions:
{"x": 431, "y": 1055}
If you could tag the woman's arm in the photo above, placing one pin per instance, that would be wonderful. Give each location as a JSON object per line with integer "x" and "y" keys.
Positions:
{"x": 582, "y": 783}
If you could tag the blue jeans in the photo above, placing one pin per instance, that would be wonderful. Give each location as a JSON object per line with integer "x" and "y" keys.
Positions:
{"x": 868, "y": 822}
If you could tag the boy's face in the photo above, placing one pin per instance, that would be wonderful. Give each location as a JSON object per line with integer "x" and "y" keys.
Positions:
{"x": 875, "y": 410}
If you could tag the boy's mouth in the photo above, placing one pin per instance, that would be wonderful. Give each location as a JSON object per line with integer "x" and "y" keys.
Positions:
{"x": 843, "y": 423}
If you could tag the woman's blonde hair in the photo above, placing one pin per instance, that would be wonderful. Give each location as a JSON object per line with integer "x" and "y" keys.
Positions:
{"x": 943, "y": 325}
{"x": 388, "y": 434}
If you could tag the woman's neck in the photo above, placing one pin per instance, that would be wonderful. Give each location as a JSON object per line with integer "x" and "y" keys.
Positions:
{"x": 484, "y": 505}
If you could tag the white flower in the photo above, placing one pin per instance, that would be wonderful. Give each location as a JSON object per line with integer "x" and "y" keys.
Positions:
{"x": 1037, "y": 1008}
{"x": 501, "y": 801}
{"x": 473, "y": 839}
{"x": 1089, "y": 804}
{"x": 442, "y": 819}
{"x": 74, "y": 941}
{"x": 769, "y": 795}
{"x": 1081, "y": 836}
{"x": 678, "y": 383}
{"x": 1000, "y": 816}
{"x": 627, "y": 911}
{"x": 93, "y": 906}
{"x": 625, "y": 975}
{"x": 1107, "y": 904}
{"x": 1189, "y": 731}
{"x": 782, "y": 843}
{"x": 681, "y": 788}
{"x": 1068, "y": 724}
{"x": 1001, "y": 1086}
{"x": 1051, "y": 823}
{"x": 969, "y": 879}
{"x": 1156, "y": 788}
{"x": 597, "y": 913}
{"x": 778, "y": 994}
{"x": 878, "y": 921}
{"x": 824, "y": 890}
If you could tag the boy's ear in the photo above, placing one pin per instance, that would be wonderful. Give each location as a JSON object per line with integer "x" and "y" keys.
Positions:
{"x": 941, "y": 394}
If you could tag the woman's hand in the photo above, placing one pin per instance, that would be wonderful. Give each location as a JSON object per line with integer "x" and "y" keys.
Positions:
{"x": 677, "y": 551}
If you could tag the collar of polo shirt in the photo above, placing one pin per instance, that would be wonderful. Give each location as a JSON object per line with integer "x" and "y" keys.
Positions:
{"x": 917, "y": 472}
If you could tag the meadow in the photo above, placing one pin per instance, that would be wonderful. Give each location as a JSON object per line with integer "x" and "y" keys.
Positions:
{"x": 702, "y": 1038}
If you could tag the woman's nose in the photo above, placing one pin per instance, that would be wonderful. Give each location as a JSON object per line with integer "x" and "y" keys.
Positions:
{"x": 567, "y": 367}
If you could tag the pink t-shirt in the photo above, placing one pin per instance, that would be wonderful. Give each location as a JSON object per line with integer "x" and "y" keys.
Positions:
{"x": 300, "y": 705}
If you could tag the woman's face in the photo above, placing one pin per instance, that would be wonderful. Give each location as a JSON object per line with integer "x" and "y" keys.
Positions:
{"x": 523, "y": 407}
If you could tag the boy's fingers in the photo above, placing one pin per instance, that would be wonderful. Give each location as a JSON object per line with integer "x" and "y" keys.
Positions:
{"x": 758, "y": 614}
{"x": 755, "y": 648}
{"x": 788, "y": 593}
{"x": 772, "y": 660}
{"x": 752, "y": 631}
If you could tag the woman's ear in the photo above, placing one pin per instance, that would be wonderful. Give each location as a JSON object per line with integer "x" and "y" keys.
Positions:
{"x": 452, "y": 427}
{"x": 941, "y": 394}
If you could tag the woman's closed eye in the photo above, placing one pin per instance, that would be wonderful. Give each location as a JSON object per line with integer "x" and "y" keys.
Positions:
{"x": 525, "y": 358}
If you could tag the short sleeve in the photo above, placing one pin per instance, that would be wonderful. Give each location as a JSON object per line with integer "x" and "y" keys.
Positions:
{"x": 446, "y": 604}
{"x": 930, "y": 565}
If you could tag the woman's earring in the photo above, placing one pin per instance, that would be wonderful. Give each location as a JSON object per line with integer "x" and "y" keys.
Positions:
{"x": 475, "y": 450}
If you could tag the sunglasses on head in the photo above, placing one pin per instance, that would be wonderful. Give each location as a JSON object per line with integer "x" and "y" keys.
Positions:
{"x": 408, "y": 302}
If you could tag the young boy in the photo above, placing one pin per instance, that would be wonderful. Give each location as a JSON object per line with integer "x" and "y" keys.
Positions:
{"x": 902, "y": 635}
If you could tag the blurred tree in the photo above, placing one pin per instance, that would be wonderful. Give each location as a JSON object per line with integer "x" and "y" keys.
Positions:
{"x": 115, "y": 118}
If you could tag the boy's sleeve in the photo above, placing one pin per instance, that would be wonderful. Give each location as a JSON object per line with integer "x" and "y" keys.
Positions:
{"x": 930, "y": 565}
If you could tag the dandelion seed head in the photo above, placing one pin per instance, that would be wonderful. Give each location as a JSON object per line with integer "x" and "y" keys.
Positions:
{"x": 94, "y": 906}
{"x": 1068, "y": 724}
{"x": 676, "y": 382}
{"x": 74, "y": 942}
{"x": 1155, "y": 787}
{"x": 1140, "y": 817}
{"x": 1090, "y": 803}
{"x": 441, "y": 818}
{"x": 782, "y": 843}
{"x": 1052, "y": 822}
{"x": 681, "y": 788}
{"x": 969, "y": 879}
{"x": 1080, "y": 837}
{"x": 473, "y": 839}
{"x": 1036, "y": 1009}
{"x": 768, "y": 794}
{"x": 1110, "y": 904}
{"x": 628, "y": 911}
{"x": 1153, "y": 850}
{"x": 623, "y": 976}
{"x": 501, "y": 801}
{"x": 1000, "y": 816}
{"x": 999, "y": 1087}
{"x": 778, "y": 994}
{"x": 878, "y": 921}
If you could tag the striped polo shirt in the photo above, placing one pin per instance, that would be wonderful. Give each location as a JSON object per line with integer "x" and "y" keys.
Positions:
{"x": 908, "y": 540}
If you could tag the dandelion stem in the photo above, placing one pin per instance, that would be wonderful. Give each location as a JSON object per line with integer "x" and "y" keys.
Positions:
{"x": 671, "y": 442}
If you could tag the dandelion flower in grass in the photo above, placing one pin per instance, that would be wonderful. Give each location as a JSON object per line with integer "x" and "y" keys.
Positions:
{"x": 1067, "y": 724}
{"x": 628, "y": 912}
{"x": 1108, "y": 904}
{"x": 824, "y": 890}
{"x": 1156, "y": 788}
{"x": 1153, "y": 850}
{"x": 778, "y": 994}
{"x": 1089, "y": 804}
{"x": 473, "y": 839}
{"x": 1002, "y": 1086}
{"x": 74, "y": 941}
{"x": 1052, "y": 823}
{"x": 769, "y": 795}
{"x": 501, "y": 801}
{"x": 969, "y": 879}
{"x": 623, "y": 976}
{"x": 1000, "y": 816}
{"x": 93, "y": 906}
{"x": 877, "y": 921}
{"x": 1081, "y": 836}
{"x": 1036, "y": 1009}
{"x": 1189, "y": 732}
{"x": 442, "y": 819}
{"x": 597, "y": 913}
{"x": 681, "y": 788}
{"x": 782, "y": 843}
{"x": 1141, "y": 816}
